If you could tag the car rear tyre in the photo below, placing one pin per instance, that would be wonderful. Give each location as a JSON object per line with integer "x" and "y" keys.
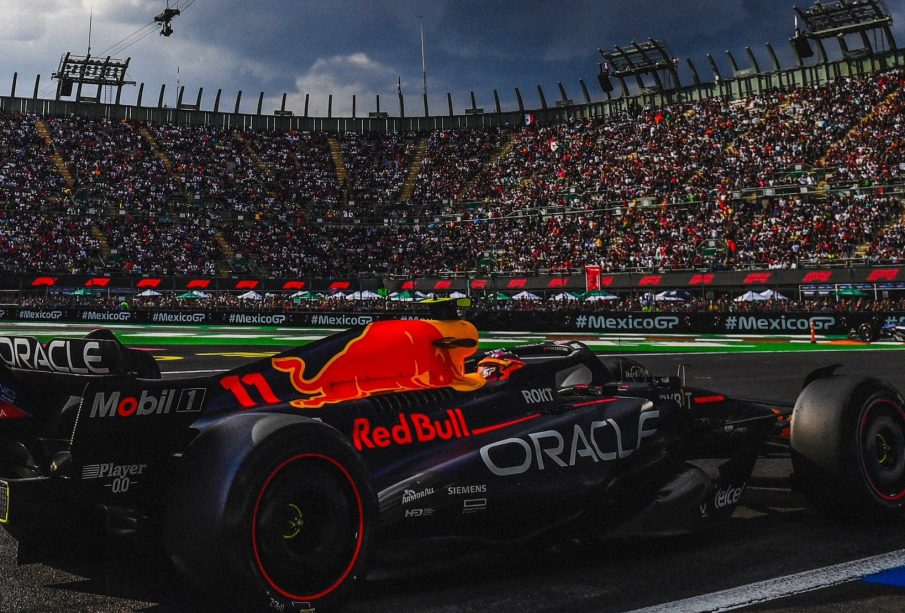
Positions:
{"x": 307, "y": 527}
{"x": 291, "y": 524}
{"x": 848, "y": 447}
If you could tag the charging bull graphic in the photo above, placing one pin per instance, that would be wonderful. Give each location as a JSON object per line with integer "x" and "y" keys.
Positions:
{"x": 389, "y": 356}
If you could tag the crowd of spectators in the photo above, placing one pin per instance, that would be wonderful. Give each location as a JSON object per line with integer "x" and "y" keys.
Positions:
{"x": 377, "y": 165}
{"x": 453, "y": 159}
{"x": 873, "y": 152}
{"x": 111, "y": 162}
{"x": 212, "y": 167}
{"x": 302, "y": 168}
{"x": 784, "y": 232}
{"x": 684, "y": 152}
{"x": 142, "y": 246}
{"x": 28, "y": 178}
{"x": 47, "y": 241}
{"x": 655, "y": 188}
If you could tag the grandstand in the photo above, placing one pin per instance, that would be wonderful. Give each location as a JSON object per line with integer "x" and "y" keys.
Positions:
{"x": 783, "y": 169}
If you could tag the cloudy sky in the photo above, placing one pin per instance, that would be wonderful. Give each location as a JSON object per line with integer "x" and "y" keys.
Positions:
{"x": 362, "y": 47}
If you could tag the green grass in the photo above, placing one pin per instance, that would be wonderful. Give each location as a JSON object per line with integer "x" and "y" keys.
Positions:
{"x": 225, "y": 336}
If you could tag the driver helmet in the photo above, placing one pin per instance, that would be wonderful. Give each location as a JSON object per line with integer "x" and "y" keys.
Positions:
{"x": 499, "y": 365}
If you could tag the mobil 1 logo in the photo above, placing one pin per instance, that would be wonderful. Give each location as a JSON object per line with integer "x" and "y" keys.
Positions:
{"x": 134, "y": 424}
{"x": 123, "y": 405}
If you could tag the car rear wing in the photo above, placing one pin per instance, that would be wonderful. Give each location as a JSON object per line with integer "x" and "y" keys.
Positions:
{"x": 37, "y": 376}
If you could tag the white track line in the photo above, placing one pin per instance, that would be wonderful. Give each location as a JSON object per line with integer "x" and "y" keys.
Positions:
{"x": 783, "y": 587}
{"x": 192, "y": 372}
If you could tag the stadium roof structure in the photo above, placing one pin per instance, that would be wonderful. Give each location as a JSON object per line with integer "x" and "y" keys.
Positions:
{"x": 641, "y": 59}
{"x": 837, "y": 19}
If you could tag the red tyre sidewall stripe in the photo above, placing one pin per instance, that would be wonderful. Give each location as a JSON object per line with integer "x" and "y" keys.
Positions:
{"x": 358, "y": 544}
{"x": 864, "y": 417}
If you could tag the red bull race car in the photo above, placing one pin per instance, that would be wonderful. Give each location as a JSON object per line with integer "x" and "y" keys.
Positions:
{"x": 274, "y": 483}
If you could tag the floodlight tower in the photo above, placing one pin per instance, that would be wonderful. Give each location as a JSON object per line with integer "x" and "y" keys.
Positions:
{"x": 650, "y": 58}
{"x": 87, "y": 70}
{"x": 836, "y": 20}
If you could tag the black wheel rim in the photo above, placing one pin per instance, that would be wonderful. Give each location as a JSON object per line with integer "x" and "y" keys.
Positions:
{"x": 882, "y": 448}
{"x": 308, "y": 527}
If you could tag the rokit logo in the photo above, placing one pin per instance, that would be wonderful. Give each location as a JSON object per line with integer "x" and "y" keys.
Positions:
{"x": 537, "y": 396}
{"x": 411, "y": 428}
{"x": 115, "y": 404}
{"x": 601, "y": 441}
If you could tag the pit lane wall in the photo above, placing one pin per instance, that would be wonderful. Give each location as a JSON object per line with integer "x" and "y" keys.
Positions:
{"x": 577, "y": 321}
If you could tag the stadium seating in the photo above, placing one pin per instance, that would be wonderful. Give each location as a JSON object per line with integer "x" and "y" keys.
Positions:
{"x": 646, "y": 190}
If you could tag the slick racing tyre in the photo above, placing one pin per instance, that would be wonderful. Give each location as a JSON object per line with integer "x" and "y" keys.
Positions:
{"x": 291, "y": 523}
{"x": 848, "y": 447}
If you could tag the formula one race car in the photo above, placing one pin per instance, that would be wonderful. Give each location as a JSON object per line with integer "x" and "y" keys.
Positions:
{"x": 873, "y": 330}
{"x": 274, "y": 482}
{"x": 895, "y": 331}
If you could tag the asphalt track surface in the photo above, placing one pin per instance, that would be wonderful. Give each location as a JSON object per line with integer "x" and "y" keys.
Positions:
{"x": 772, "y": 536}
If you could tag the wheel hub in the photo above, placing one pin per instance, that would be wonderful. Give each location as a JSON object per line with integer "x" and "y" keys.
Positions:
{"x": 295, "y": 521}
{"x": 883, "y": 449}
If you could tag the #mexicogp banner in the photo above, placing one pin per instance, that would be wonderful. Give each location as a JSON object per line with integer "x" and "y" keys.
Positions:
{"x": 579, "y": 322}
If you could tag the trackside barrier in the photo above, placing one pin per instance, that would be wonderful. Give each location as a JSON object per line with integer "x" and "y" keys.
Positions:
{"x": 577, "y": 321}
{"x": 732, "y": 323}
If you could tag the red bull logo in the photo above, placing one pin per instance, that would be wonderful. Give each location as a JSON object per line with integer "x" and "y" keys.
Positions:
{"x": 411, "y": 428}
{"x": 389, "y": 356}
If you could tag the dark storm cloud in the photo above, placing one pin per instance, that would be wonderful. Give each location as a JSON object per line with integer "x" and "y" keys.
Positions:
{"x": 363, "y": 47}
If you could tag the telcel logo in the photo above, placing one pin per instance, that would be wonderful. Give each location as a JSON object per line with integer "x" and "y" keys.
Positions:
{"x": 728, "y": 497}
{"x": 412, "y": 427}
